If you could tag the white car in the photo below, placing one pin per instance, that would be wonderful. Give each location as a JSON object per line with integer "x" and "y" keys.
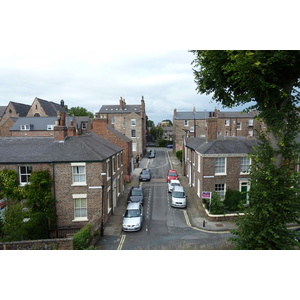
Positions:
{"x": 133, "y": 217}
{"x": 178, "y": 197}
{"x": 172, "y": 183}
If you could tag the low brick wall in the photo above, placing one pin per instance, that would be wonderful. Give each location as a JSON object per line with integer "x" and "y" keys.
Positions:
{"x": 53, "y": 244}
{"x": 226, "y": 217}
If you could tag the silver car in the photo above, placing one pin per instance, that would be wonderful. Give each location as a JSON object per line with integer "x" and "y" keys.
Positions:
{"x": 133, "y": 217}
{"x": 178, "y": 197}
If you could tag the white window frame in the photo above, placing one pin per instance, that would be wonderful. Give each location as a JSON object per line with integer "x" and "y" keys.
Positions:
{"x": 50, "y": 127}
{"x": 242, "y": 165}
{"x": 77, "y": 167}
{"x": 77, "y": 197}
{"x": 112, "y": 120}
{"x": 25, "y": 127}
{"x": 238, "y": 125}
{"x": 192, "y": 129}
{"x": 133, "y": 146}
{"x": 227, "y": 122}
{"x": 250, "y": 122}
{"x": 27, "y": 174}
{"x": 218, "y": 165}
{"x": 199, "y": 163}
{"x": 186, "y": 123}
{"x": 133, "y": 122}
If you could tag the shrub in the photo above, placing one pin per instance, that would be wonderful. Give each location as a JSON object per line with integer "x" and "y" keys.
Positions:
{"x": 36, "y": 227}
{"x": 217, "y": 205}
{"x": 179, "y": 155}
{"x": 232, "y": 200}
{"x": 82, "y": 237}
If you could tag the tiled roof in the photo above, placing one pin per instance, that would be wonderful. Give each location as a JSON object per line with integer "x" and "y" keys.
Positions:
{"x": 2, "y": 110}
{"x": 235, "y": 114}
{"x": 85, "y": 148}
{"x": 222, "y": 146}
{"x": 119, "y": 134}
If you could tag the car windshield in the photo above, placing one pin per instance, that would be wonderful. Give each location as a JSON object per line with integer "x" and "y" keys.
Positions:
{"x": 173, "y": 174}
{"x": 137, "y": 193}
{"x": 145, "y": 172}
{"x": 132, "y": 213}
{"x": 175, "y": 184}
{"x": 178, "y": 194}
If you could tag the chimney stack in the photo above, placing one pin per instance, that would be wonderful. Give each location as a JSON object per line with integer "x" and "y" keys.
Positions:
{"x": 62, "y": 103}
{"x": 122, "y": 103}
{"x": 60, "y": 128}
{"x": 211, "y": 130}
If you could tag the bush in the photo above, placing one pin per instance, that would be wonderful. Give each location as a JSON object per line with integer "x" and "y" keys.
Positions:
{"x": 217, "y": 205}
{"x": 232, "y": 200}
{"x": 36, "y": 227}
{"x": 179, "y": 155}
{"x": 82, "y": 237}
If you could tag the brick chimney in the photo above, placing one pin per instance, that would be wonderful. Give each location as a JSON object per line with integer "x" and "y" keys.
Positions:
{"x": 100, "y": 127}
{"x": 122, "y": 103}
{"x": 60, "y": 128}
{"x": 71, "y": 129}
{"x": 211, "y": 129}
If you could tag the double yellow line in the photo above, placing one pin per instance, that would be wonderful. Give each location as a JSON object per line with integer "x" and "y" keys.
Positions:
{"x": 123, "y": 237}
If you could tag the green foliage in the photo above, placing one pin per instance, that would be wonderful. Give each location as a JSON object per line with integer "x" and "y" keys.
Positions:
{"x": 9, "y": 185}
{"x": 217, "y": 205}
{"x": 232, "y": 200}
{"x": 271, "y": 80}
{"x": 38, "y": 194}
{"x": 82, "y": 237}
{"x": 179, "y": 155}
{"x": 163, "y": 143}
{"x": 80, "y": 112}
{"x": 156, "y": 132}
{"x": 150, "y": 124}
{"x": 36, "y": 227}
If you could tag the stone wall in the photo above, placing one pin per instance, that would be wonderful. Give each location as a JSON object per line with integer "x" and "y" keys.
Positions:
{"x": 53, "y": 244}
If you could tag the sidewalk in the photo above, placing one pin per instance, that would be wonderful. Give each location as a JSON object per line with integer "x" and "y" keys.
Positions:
{"x": 196, "y": 216}
{"x": 196, "y": 213}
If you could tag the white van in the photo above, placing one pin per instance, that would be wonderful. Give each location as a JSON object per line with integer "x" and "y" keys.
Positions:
{"x": 178, "y": 197}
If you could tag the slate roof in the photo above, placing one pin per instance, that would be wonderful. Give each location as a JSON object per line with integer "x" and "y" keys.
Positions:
{"x": 86, "y": 148}
{"x": 37, "y": 123}
{"x": 222, "y": 146}
{"x": 191, "y": 115}
{"x": 21, "y": 109}
{"x": 113, "y": 109}
{"x": 235, "y": 114}
{"x": 2, "y": 110}
{"x": 51, "y": 108}
{"x": 119, "y": 134}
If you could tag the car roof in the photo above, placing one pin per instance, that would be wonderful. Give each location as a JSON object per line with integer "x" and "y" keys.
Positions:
{"x": 136, "y": 188}
{"x": 133, "y": 206}
{"x": 172, "y": 171}
{"x": 178, "y": 189}
{"x": 174, "y": 181}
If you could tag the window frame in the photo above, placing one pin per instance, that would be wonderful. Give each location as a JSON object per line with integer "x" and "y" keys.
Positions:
{"x": 243, "y": 165}
{"x": 27, "y": 174}
{"x": 77, "y": 197}
{"x": 133, "y": 131}
{"x": 76, "y": 165}
{"x": 224, "y": 166}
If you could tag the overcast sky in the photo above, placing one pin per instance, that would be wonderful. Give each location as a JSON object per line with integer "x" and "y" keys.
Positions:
{"x": 92, "y": 54}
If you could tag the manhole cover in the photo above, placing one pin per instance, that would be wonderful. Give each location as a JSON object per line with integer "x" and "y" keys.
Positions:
{"x": 219, "y": 225}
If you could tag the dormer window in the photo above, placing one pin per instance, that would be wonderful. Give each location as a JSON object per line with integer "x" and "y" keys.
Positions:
{"x": 50, "y": 127}
{"x": 25, "y": 127}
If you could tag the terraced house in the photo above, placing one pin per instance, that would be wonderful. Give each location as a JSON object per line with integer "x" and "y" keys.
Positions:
{"x": 214, "y": 163}
{"x": 87, "y": 171}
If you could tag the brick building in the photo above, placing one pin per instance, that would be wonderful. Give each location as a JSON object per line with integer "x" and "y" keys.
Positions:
{"x": 130, "y": 120}
{"x": 229, "y": 124}
{"x": 216, "y": 163}
{"x": 101, "y": 128}
{"x": 87, "y": 171}
{"x": 44, "y": 108}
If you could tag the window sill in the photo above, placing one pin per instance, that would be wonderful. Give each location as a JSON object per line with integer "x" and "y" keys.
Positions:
{"x": 79, "y": 184}
{"x": 80, "y": 220}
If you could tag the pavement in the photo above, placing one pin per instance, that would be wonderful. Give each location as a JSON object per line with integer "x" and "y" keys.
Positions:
{"x": 194, "y": 213}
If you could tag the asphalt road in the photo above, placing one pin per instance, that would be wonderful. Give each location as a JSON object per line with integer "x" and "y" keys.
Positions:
{"x": 164, "y": 227}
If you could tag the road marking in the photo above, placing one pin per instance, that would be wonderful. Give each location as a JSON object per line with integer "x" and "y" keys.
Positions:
{"x": 121, "y": 242}
{"x": 187, "y": 220}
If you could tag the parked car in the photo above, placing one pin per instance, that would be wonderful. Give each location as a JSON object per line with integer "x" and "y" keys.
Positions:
{"x": 172, "y": 174}
{"x": 133, "y": 217}
{"x": 170, "y": 146}
{"x": 151, "y": 154}
{"x": 178, "y": 197}
{"x": 145, "y": 175}
{"x": 136, "y": 195}
{"x": 172, "y": 183}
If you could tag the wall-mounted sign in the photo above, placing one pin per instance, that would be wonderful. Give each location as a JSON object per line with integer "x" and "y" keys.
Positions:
{"x": 206, "y": 195}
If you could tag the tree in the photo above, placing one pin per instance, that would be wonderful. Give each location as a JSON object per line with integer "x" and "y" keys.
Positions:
{"x": 271, "y": 80}
{"x": 150, "y": 124}
{"x": 80, "y": 112}
{"x": 168, "y": 121}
